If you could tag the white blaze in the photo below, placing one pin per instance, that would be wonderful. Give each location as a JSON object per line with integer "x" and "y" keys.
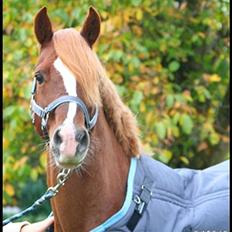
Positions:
{"x": 70, "y": 87}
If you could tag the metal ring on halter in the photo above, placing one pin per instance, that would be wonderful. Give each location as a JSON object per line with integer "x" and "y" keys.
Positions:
{"x": 61, "y": 179}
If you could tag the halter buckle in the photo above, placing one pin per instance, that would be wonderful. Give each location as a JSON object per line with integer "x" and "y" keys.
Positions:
{"x": 44, "y": 121}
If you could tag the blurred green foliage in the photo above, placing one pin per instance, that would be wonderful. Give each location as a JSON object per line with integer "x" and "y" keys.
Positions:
{"x": 169, "y": 60}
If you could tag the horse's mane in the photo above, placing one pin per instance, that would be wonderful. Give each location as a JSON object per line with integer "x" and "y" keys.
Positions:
{"x": 76, "y": 54}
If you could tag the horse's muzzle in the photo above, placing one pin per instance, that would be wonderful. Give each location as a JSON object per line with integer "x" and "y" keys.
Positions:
{"x": 69, "y": 146}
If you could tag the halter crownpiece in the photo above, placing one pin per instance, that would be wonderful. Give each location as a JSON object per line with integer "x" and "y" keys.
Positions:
{"x": 43, "y": 113}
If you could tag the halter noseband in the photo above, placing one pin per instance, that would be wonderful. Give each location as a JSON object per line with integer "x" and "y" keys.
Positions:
{"x": 43, "y": 113}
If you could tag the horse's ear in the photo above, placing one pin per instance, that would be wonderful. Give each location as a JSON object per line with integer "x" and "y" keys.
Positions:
{"x": 91, "y": 29}
{"x": 43, "y": 26}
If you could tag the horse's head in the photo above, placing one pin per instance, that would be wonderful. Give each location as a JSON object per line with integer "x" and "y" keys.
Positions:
{"x": 61, "y": 106}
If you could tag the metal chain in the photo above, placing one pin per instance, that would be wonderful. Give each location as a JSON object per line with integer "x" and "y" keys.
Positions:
{"x": 51, "y": 192}
{"x": 61, "y": 179}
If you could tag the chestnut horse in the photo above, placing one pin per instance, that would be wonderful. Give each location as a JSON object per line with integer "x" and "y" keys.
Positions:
{"x": 68, "y": 66}
{"x": 93, "y": 133}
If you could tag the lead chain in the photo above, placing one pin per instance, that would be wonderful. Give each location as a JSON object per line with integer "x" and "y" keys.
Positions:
{"x": 61, "y": 179}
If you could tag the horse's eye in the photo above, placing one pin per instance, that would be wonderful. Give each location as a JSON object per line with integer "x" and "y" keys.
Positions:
{"x": 39, "y": 77}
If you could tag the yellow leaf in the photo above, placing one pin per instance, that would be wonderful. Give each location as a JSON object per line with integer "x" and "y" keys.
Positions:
{"x": 165, "y": 156}
{"x": 225, "y": 139}
{"x": 211, "y": 78}
{"x": 150, "y": 118}
{"x": 5, "y": 143}
{"x": 183, "y": 6}
{"x": 9, "y": 190}
{"x": 139, "y": 14}
{"x": 156, "y": 80}
{"x": 147, "y": 148}
{"x": 43, "y": 159}
{"x": 169, "y": 132}
{"x": 202, "y": 146}
{"x": 135, "y": 78}
{"x": 158, "y": 68}
{"x": 155, "y": 90}
{"x": 34, "y": 174}
{"x": 20, "y": 162}
{"x": 201, "y": 34}
{"x": 215, "y": 78}
{"x": 142, "y": 107}
{"x": 184, "y": 159}
{"x": 187, "y": 95}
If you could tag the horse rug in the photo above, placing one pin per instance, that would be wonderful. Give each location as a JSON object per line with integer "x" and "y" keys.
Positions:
{"x": 163, "y": 199}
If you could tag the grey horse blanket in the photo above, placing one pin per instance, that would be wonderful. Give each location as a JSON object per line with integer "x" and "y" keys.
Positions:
{"x": 162, "y": 199}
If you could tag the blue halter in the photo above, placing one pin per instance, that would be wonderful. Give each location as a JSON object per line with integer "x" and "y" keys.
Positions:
{"x": 43, "y": 113}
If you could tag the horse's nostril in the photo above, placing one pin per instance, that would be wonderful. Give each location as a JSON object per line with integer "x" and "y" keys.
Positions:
{"x": 57, "y": 138}
{"x": 82, "y": 139}
{"x": 81, "y": 136}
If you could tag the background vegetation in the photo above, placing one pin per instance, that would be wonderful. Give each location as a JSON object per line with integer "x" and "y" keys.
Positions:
{"x": 169, "y": 60}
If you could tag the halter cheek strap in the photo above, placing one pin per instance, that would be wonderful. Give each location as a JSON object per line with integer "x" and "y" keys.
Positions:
{"x": 43, "y": 113}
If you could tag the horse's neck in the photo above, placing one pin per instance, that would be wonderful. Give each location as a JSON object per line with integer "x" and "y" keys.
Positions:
{"x": 89, "y": 199}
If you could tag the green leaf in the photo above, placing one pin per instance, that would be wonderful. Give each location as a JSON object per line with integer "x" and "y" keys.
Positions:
{"x": 8, "y": 111}
{"x": 170, "y": 101}
{"x": 121, "y": 90}
{"x": 160, "y": 130}
{"x": 186, "y": 123}
{"x": 214, "y": 138}
{"x": 207, "y": 93}
{"x": 117, "y": 55}
{"x": 137, "y": 98}
{"x": 180, "y": 98}
{"x": 135, "y": 61}
{"x": 136, "y": 2}
{"x": 173, "y": 66}
{"x": 175, "y": 131}
{"x": 176, "y": 118}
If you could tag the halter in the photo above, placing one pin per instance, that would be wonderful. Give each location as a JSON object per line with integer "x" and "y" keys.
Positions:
{"x": 43, "y": 113}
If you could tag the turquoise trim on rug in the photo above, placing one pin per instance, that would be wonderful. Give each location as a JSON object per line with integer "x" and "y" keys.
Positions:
{"x": 126, "y": 205}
